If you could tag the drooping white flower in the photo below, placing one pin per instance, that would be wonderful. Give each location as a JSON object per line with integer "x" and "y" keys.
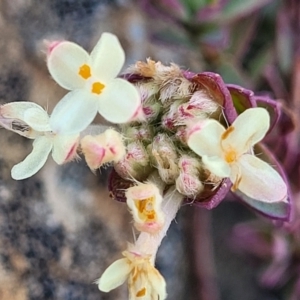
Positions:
{"x": 32, "y": 121}
{"x": 144, "y": 280}
{"x": 227, "y": 153}
{"x": 93, "y": 83}
{"x": 144, "y": 201}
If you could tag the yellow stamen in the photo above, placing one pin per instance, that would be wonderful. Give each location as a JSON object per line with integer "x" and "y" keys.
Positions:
{"x": 145, "y": 208}
{"x": 141, "y": 293}
{"x": 230, "y": 156}
{"x": 85, "y": 71}
{"x": 236, "y": 183}
{"x": 227, "y": 132}
{"x": 97, "y": 87}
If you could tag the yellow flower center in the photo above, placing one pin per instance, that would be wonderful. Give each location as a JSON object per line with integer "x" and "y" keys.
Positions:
{"x": 97, "y": 87}
{"x": 230, "y": 156}
{"x": 85, "y": 71}
{"x": 145, "y": 208}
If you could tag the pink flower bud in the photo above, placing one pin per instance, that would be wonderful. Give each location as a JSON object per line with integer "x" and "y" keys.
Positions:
{"x": 200, "y": 106}
{"x": 135, "y": 164}
{"x": 142, "y": 132}
{"x": 188, "y": 183}
{"x": 165, "y": 158}
{"x": 104, "y": 148}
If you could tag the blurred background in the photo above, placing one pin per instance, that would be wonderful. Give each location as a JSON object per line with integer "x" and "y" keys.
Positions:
{"x": 59, "y": 230}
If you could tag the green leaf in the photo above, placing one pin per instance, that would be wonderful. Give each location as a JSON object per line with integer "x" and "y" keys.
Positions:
{"x": 238, "y": 8}
{"x": 193, "y": 6}
{"x": 231, "y": 73}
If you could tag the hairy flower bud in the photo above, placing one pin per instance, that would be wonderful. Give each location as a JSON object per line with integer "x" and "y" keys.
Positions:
{"x": 135, "y": 164}
{"x": 168, "y": 120}
{"x": 188, "y": 183}
{"x": 199, "y": 106}
{"x": 165, "y": 158}
{"x": 103, "y": 148}
{"x": 142, "y": 132}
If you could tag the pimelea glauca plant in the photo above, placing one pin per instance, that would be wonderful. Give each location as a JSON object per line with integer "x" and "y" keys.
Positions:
{"x": 180, "y": 138}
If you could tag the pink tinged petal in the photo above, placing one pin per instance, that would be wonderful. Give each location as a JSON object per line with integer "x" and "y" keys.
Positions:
{"x": 74, "y": 112}
{"x": 94, "y": 152}
{"x": 249, "y": 128}
{"x": 119, "y": 101}
{"x": 64, "y": 148}
{"x": 64, "y": 63}
{"x": 34, "y": 161}
{"x": 107, "y": 57}
{"x": 16, "y": 110}
{"x": 216, "y": 165}
{"x": 260, "y": 181}
{"x": 206, "y": 139}
{"x": 12, "y": 117}
{"x": 115, "y": 275}
{"x": 37, "y": 118}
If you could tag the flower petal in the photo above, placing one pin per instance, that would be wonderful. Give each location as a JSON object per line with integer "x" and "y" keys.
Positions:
{"x": 107, "y": 57}
{"x": 64, "y": 148}
{"x": 16, "y": 110}
{"x": 34, "y": 161}
{"x": 216, "y": 165}
{"x": 12, "y": 117}
{"x": 64, "y": 62}
{"x": 248, "y": 129}
{"x": 259, "y": 180}
{"x": 74, "y": 112}
{"x": 205, "y": 137}
{"x": 158, "y": 284}
{"x": 119, "y": 101}
{"x": 37, "y": 119}
{"x": 115, "y": 275}
{"x": 275, "y": 210}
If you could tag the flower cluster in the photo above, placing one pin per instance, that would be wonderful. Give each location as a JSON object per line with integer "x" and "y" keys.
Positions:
{"x": 94, "y": 88}
{"x": 179, "y": 138}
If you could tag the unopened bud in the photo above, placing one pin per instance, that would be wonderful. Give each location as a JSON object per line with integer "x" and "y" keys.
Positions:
{"x": 173, "y": 85}
{"x": 103, "y": 148}
{"x": 168, "y": 120}
{"x": 142, "y": 132}
{"x": 165, "y": 158}
{"x": 200, "y": 106}
{"x": 188, "y": 183}
{"x": 135, "y": 164}
{"x": 144, "y": 201}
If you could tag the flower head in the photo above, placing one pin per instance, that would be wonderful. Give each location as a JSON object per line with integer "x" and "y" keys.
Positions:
{"x": 227, "y": 153}
{"x": 144, "y": 280}
{"x": 144, "y": 201}
{"x": 32, "y": 121}
{"x": 92, "y": 80}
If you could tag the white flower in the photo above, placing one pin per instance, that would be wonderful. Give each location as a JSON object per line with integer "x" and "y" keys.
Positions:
{"x": 103, "y": 148}
{"x": 144, "y": 280}
{"x": 226, "y": 153}
{"x": 144, "y": 201}
{"x": 92, "y": 80}
{"x": 32, "y": 121}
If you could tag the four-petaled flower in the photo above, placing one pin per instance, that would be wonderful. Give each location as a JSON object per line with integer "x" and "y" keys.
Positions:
{"x": 144, "y": 280}
{"x": 32, "y": 121}
{"x": 144, "y": 201}
{"x": 228, "y": 153}
{"x": 93, "y": 83}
